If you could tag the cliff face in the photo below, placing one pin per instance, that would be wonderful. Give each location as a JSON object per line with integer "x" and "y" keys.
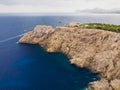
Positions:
{"x": 39, "y": 34}
{"x": 97, "y": 50}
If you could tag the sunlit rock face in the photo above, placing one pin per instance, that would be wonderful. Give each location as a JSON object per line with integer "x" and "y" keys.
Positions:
{"x": 37, "y": 35}
{"x": 96, "y": 50}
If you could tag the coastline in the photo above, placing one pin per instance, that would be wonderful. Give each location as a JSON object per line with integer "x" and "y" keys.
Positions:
{"x": 96, "y": 50}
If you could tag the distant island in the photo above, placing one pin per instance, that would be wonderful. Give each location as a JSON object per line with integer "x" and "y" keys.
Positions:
{"x": 99, "y": 11}
{"x": 91, "y": 46}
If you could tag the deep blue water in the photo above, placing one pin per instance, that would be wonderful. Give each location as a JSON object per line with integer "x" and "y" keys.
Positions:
{"x": 29, "y": 67}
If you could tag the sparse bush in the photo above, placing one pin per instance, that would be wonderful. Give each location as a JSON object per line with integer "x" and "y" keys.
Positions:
{"x": 108, "y": 27}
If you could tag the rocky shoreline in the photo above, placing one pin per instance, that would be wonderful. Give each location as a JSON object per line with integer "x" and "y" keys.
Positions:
{"x": 96, "y": 50}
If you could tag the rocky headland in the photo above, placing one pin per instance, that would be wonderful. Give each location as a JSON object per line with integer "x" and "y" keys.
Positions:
{"x": 96, "y": 50}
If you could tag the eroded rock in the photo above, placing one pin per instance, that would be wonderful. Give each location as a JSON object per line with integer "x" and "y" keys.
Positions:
{"x": 96, "y": 50}
{"x": 39, "y": 33}
{"x": 73, "y": 24}
{"x": 100, "y": 85}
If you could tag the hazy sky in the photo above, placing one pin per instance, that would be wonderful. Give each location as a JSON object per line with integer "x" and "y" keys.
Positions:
{"x": 55, "y": 5}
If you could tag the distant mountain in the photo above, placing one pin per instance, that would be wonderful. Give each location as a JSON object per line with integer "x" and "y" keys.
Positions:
{"x": 99, "y": 11}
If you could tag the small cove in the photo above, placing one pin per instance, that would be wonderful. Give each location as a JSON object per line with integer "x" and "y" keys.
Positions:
{"x": 32, "y": 68}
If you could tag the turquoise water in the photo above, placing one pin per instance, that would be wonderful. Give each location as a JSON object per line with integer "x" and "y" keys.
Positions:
{"x": 29, "y": 67}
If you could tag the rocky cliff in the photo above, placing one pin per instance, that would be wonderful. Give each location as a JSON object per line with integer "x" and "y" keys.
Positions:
{"x": 96, "y": 50}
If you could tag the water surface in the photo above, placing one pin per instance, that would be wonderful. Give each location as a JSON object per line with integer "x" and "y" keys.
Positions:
{"x": 29, "y": 67}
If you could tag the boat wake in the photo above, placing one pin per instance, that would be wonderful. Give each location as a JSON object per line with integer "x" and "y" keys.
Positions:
{"x": 11, "y": 38}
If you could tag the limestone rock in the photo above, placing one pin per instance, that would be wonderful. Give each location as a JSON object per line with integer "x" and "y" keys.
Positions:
{"x": 100, "y": 85}
{"x": 115, "y": 84}
{"x": 96, "y": 50}
{"x": 73, "y": 24}
{"x": 37, "y": 35}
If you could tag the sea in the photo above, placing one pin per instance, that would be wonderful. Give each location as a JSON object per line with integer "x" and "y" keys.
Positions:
{"x": 30, "y": 67}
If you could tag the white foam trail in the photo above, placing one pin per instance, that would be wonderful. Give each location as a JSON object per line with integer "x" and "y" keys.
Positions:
{"x": 8, "y": 39}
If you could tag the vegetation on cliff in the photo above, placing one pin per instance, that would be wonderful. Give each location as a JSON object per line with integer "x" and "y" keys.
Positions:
{"x": 108, "y": 27}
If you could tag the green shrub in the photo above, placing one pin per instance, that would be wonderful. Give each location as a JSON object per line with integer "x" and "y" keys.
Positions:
{"x": 108, "y": 27}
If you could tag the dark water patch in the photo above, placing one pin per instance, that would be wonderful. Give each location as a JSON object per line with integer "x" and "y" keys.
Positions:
{"x": 51, "y": 71}
{"x": 30, "y": 67}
